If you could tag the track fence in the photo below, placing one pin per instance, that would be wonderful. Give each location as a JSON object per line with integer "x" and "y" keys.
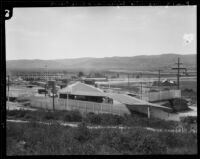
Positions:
{"x": 82, "y": 106}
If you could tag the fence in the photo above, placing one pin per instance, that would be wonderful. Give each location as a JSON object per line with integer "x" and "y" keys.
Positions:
{"x": 162, "y": 95}
{"x": 20, "y": 92}
{"x": 82, "y": 106}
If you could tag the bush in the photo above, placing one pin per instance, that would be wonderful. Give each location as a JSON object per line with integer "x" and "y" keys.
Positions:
{"x": 189, "y": 119}
{"x": 150, "y": 145}
{"x": 72, "y": 116}
{"x": 93, "y": 118}
{"x": 82, "y": 134}
{"x": 173, "y": 140}
{"x": 49, "y": 116}
{"x": 104, "y": 119}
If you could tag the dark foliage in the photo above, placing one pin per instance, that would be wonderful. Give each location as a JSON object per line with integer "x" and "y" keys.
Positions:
{"x": 39, "y": 139}
{"x": 133, "y": 120}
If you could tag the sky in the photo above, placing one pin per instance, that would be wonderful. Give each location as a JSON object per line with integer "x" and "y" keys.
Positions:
{"x": 74, "y": 32}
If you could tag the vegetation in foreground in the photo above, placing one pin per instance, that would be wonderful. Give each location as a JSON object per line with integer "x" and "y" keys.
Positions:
{"x": 39, "y": 139}
{"x": 133, "y": 120}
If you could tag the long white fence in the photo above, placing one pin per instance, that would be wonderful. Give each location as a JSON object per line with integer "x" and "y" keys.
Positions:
{"x": 82, "y": 106}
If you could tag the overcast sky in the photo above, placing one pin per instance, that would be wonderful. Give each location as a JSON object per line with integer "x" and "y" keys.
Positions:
{"x": 73, "y": 32}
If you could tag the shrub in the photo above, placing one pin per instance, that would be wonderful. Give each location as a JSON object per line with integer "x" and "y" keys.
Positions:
{"x": 104, "y": 119}
{"x": 82, "y": 133}
{"x": 72, "y": 116}
{"x": 189, "y": 119}
{"x": 173, "y": 140}
{"x": 49, "y": 116}
{"x": 93, "y": 118}
{"x": 150, "y": 145}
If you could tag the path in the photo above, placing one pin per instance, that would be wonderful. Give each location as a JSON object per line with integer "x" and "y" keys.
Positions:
{"x": 102, "y": 127}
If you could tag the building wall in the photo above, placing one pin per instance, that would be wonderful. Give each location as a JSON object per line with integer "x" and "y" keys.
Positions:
{"x": 40, "y": 75}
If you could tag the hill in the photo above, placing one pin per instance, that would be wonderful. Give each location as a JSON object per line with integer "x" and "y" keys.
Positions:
{"x": 135, "y": 63}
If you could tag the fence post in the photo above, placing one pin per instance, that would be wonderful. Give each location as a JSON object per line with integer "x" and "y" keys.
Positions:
{"x": 101, "y": 108}
{"x": 148, "y": 109}
{"x": 85, "y": 108}
{"x": 98, "y": 108}
{"x": 64, "y": 104}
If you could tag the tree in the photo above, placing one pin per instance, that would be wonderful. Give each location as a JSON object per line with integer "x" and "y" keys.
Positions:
{"x": 80, "y": 74}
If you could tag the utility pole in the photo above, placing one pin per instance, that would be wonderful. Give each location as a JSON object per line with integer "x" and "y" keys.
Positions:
{"x": 141, "y": 85}
{"x": 46, "y": 86}
{"x": 8, "y": 88}
{"x": 159, "y": 77}
{"x": 178, "y": 72}
{"x": 128, "y": 82}
{"x": 53, "y": 97}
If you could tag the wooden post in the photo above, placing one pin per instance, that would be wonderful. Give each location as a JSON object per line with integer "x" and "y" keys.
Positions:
{"x": 53, "y": 97}
{"x": 85, "y": 107}
{"x": 8, "y": 88}
{"x": 67, "y": 99}
{"x": 148, "y": 109}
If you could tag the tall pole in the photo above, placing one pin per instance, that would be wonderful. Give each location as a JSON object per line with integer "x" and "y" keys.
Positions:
{"x": 67, "y": 100}
{"x": 178, "y": 72}
{"x": 8, "y": 89}
{"x": 46, "y": 86}
{"x": 159, "y": 77}
{"x": 53, "y": 97}
{"x": 128, "y": 82}
{"x": 141, "y": 86}
{"x": 148, "y": 111}
{"x": 159, "y": 82}
{"x": 178, "y": 76}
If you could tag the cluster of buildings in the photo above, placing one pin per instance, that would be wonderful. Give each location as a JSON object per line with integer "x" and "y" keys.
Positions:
{"x": 86, "y": 89}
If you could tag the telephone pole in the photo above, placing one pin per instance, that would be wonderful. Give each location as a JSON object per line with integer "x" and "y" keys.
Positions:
{"x": 159, "y": 77}
{"x": 141, "y": 85}
{"x": 128, "y": 82}
{"x": 8, "y": 89}
{"x": 53, "y": 97}
{"x": 178, "y": 68}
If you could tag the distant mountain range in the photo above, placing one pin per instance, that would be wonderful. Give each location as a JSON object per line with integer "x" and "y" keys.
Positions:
{"x": 135, "y": 63}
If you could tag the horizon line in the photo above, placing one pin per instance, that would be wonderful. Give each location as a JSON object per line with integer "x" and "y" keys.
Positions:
{"x": 102, "y": 57}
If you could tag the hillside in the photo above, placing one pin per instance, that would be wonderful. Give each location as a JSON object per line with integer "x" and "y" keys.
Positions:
{"x": 135, "y": 63}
